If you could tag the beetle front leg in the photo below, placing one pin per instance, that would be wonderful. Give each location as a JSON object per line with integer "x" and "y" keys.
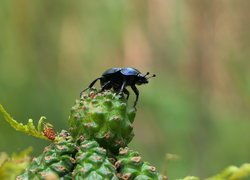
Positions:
{"x": 136, "y": 91}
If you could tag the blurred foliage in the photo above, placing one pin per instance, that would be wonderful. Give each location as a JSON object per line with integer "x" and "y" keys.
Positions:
{"x": 12, "y": 166}
{"x": 197, "y": 107}
{"x": 233, "y": 173}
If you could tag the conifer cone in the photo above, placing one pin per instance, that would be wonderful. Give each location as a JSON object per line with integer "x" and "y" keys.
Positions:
{"x": 57, "y": 160}
{"x": 100, "y": 125}
{"x": 92, "y": 163}
{"x": 104, "y": 117}
{"x": 130, "y": 166}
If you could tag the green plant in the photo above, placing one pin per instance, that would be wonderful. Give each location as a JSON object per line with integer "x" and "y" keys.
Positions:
{"x": 94, "y": 147}
{"x": 100, "y": 126}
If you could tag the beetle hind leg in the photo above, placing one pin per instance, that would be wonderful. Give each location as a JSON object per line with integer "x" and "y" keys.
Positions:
{"x": 105, "y": 86}
{"x": 90, "y": 86}
{"x": 126, "y": 92}
{"x": 122, "y": 89}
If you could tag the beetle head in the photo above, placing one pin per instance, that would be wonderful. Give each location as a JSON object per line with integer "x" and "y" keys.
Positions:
{"x": 143, "y": 79}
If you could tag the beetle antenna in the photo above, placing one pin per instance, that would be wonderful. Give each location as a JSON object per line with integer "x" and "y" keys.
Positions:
{"x": 146, "y": 74}
{"x": 152, "y": 76}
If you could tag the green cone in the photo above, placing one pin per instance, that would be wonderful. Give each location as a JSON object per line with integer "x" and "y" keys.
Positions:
{"x": 92, "y": 163}
{"x": 130, "y": 166}
{"x": 100, "y": 125}
{"x": 57, "y": 160}
{"x": 104, "y": 117}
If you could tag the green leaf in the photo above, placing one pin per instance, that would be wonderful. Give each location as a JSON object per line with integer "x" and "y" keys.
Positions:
{"x": 29, "y": 128}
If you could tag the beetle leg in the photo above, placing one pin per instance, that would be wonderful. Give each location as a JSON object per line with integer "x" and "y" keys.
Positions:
{"x": 90, "y": 86}
{"x": 105, "y": 85}
{"x": 136, "y": 93}
{"x": 126, "y": 92}
{"x": 122, "y": 87}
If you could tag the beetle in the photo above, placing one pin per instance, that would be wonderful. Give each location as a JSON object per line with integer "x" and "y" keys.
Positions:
{"x": 119, "y": 78}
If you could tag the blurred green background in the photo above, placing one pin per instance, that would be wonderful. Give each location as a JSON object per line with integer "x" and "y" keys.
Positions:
{"x": 197, "y": 107}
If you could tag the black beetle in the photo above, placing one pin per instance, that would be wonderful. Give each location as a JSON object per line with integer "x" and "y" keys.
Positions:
{"x": 119, "y": 78}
